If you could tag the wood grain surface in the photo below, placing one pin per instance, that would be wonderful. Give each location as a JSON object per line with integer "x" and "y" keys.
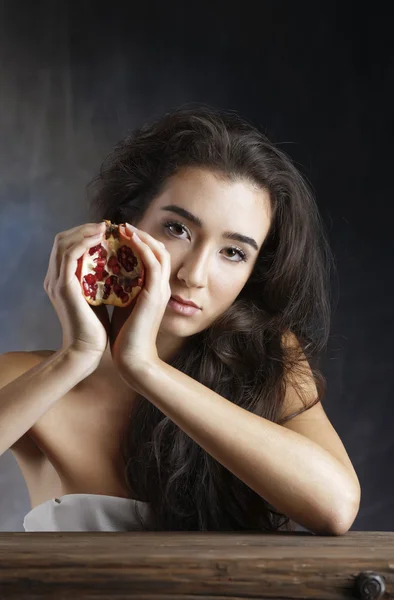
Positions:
{"x": 192, "y": 565}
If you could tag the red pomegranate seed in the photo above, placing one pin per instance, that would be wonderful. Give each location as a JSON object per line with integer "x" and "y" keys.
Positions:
{"x": 94, "y": 249}
{"x": 111, "y": 280}
{"x": 126, "y": 258}
{"x": 112, "y": 261}
{"x": 100, "y": 262}
{"x": 90, "y": 278}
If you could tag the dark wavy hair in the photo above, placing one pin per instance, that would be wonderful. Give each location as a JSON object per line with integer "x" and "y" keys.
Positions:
{"x": 242, "y": 355}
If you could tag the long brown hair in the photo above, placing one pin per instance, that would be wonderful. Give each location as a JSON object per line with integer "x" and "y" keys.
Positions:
{"x": 241, "y": 356}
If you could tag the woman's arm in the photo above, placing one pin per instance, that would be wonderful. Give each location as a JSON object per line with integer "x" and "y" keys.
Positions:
{"x": 31, "y": 386}
{"x": 294, "y": 474}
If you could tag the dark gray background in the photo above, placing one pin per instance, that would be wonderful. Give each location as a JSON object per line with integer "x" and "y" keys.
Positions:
{"x": 317, "y": 77}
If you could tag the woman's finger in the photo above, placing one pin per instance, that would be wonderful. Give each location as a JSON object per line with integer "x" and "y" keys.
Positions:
{"x": 158, "y": 268}
{"x": 146, "y": 237}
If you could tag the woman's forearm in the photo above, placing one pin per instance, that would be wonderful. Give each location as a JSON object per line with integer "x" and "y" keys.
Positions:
{"x": 295, "y": 475}
{"x": 30, "y": 386}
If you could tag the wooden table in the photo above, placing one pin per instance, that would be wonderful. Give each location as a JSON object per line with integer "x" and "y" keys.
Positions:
{"x": 190, "y": 566}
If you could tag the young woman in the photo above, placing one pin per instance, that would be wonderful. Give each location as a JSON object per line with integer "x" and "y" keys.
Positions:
{"x": 204, "y": 421}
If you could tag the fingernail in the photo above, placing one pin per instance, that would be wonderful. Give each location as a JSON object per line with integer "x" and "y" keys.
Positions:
{"x": 131, "y": 227}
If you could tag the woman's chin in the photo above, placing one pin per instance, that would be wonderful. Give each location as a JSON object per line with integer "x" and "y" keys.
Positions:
{"x": 178, "y": 326}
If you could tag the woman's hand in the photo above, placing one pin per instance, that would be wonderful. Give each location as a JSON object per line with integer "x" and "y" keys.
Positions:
{"x": 85, "y": 328}
{"x": 135, "y": 344}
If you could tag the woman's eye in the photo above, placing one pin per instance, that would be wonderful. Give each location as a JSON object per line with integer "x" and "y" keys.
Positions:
{"x": 169, "y": 224}
{"x": 173, "y": 224}
{"x": 176, "y": 225}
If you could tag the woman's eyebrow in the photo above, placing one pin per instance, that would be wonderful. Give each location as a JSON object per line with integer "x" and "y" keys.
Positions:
{"x": 232, "y": 235}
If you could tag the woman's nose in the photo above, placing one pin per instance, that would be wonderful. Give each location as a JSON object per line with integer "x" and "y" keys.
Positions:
{"x": 194, "y": 269}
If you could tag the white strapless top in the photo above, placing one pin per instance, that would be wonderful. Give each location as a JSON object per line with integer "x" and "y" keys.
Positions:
{"x": 86, "y": 512}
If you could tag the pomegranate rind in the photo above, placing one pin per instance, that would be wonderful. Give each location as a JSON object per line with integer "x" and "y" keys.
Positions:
{"x": 114, "y": 238}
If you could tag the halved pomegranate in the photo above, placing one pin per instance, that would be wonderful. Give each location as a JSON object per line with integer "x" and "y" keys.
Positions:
{"x": 111, "y": 272}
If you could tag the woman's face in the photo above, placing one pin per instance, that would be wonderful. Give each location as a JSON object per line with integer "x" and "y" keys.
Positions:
{"x": 206, "y": 266}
